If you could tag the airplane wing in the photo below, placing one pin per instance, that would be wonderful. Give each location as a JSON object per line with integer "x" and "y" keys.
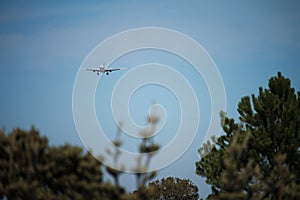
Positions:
{"x": 111, "y": 70}
{"x": 92, "y": 69}
{"x": 114, "y": 69}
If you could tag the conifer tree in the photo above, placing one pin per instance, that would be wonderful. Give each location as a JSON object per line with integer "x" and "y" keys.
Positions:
{"x": 273, "y": 121}
{"x": 31, "y": 169}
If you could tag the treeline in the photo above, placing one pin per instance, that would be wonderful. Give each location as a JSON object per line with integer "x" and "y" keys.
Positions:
{"x": 32, "y": 169}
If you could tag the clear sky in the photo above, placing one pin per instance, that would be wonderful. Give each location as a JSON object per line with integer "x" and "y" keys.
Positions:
{"x": 43, "y": 44}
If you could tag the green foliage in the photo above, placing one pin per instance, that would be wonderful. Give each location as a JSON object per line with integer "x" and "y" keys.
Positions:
{"x": 239, "y": 182}
{"x": 173, "y": 188}
{"x": 249, "y": 182}
{"x": 260, "y": 157}
{"x": 166, "y": 189}
{"x": 30, "y": 169}
{"x": 281, "y": 181}
{"x": 143, "y": 193}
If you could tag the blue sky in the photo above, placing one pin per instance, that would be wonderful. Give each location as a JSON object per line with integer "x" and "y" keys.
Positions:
{"x": 43, "y": 44}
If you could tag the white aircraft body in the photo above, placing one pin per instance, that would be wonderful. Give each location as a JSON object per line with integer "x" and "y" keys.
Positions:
{"x": 102, "y": 69}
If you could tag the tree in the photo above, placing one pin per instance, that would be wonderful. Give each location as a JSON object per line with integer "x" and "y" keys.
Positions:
{"x": 173, "y": 188}
{"x": 30, "y": 169}
{"x": 271, "y": 151}
{"x": 148, "y": 148}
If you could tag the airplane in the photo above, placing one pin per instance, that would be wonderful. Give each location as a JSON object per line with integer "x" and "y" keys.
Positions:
{"x": 102, "y": 69}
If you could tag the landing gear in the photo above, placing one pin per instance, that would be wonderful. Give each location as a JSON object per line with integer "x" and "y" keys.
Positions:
{"x": 107, "y": 73}
{"x": 98, "y": 73}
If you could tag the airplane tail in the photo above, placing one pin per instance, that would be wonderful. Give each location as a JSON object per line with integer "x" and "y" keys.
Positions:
{"x": 102, "y": 65}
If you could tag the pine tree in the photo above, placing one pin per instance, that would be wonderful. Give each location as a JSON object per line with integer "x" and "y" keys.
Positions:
{"x": 239, "y": 182}
{"x": 273, "y": 120}
{"x": 31, "y": 169}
